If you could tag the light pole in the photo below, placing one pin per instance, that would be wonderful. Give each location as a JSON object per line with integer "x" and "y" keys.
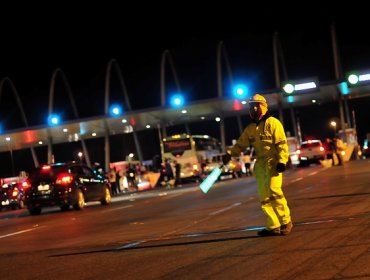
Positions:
{"x": 80, "y": 155}
{"x": 11, "y": 154}
{"x": 334, "y": 125}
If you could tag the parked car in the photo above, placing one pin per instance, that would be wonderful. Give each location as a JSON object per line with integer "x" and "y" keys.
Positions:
{"x": 311, "y": 151}
{"x": 65, "y": 185}
{"x": 12, "y": 195}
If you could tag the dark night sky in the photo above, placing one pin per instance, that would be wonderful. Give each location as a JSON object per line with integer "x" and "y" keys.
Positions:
{"x": 82, "y": 40}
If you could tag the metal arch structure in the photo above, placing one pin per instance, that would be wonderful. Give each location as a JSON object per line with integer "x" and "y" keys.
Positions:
{"x": 114, "y": 63}
{"x": 167, "y": 55}
{"x": 20, "y": 106}
{"x": 279, "y": 57}
{"x": 75, "y": 111}
{"x": 222, "y": 50}
{"x": 197, "y": 111}
{"x": 279, "y": 64}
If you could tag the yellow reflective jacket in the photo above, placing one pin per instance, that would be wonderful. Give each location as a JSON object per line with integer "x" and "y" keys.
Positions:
{"x": 268, "y": 139}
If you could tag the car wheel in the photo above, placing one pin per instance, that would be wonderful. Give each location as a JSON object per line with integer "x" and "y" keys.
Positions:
{"x": 34, "y": 210}
{"x": 64, "y": 207}
{"x": 80, "y": 200}
{"x": 107, "y": 197}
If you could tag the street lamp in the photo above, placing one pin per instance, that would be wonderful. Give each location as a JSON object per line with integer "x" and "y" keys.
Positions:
{"x": 8, "y": 139}
{"x": 80, "y": 155}
{"x": 334, "y": 125}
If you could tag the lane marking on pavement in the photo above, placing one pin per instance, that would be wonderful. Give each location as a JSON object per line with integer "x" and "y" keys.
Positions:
{"x": 168, "y": 234}
{"x": 200, "y": 221}
{"x": 118, "y": 208}
{"x": 296, "y": 180}
{"x": 225, "y": 209}
{"x": 18, "y": 232}
{"x": 317, "y": 222}
{"x": 130, "y": 245}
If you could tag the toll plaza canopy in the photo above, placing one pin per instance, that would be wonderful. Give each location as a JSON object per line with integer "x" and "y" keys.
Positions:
{"x": 154, "y": 117}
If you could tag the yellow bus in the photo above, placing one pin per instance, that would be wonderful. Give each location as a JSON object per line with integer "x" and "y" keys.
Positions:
{"x": 193, "y": 152}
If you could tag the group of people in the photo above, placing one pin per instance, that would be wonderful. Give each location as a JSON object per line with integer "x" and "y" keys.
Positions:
{"x": 167, "y": 176}
{"x": 118, "y": 180}
{"x": 334, "y": 148}
{"x": 125, "y": 179}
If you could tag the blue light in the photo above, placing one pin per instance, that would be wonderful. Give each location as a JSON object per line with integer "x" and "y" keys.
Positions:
{"x": 115, "y": 110}
{"x": 177, "y": 100}
{"x": 240, "y": 91}
{"x": 53, "y": 120}
{"x": 290, "y": 99}
{"x": 343, "y": 87}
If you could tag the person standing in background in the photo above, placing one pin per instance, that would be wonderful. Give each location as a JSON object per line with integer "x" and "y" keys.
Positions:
{"x": 338, "y": 149}
{"x": 177, "y": 173}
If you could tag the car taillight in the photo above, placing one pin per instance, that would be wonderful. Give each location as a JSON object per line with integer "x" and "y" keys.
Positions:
{"x": 64, "y": 179}
{"x": 298, "y": 152}
{"x": 45, "y": 168}
{"x": 26, "y": 185}
{"x": 322, "y": 149}
{"x": 15, "y": 192}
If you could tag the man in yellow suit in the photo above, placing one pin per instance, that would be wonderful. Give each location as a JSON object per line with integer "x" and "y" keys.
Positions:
{"x": 266, "y": 135}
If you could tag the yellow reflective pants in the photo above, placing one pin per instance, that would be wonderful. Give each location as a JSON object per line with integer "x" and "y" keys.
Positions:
{"x": 270, "y": 193}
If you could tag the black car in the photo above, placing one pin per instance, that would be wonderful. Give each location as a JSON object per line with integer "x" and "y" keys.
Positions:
{"x": 65, "y": 185}
{"x": 12, "y": 195}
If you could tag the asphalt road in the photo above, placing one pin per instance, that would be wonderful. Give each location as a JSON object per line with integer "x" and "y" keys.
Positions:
{"x": 185, "y": 234}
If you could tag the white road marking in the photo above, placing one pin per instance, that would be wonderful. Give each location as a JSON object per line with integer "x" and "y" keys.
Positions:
{"x": 296, "y": 180}
{"x": 130, "y": 245}
{"x": 17, "y": 232}
{"x": 225, "y": 209}
{"x": 118, "y": 208}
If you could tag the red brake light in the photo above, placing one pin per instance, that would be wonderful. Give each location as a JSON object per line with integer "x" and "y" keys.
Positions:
{"x": 322, "y": 148}
{"x": 45, "y": 168}
{"x": 64, "y": 179}
{"x": 25, "y": 185}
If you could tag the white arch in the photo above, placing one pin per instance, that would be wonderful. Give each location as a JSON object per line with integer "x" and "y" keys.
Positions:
{"x": 167, "y": 54}
{"x": 221, "y": 52}
{"x": 114, "y": 63}
{"x": 20, "y": 106}
{"x": 74, "y": 107}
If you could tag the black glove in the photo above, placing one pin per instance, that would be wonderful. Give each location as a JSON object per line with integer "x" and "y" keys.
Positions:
{"x": 226, "y": 158}
{"x": 280, "y": 167}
